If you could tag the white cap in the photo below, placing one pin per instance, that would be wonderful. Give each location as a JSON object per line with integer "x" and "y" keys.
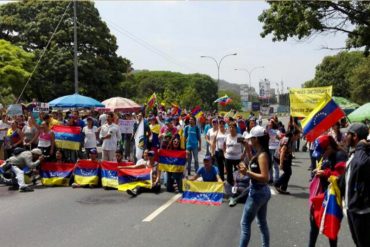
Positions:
{"x": 36, "y": 151}
{"x": 256, "y": 131}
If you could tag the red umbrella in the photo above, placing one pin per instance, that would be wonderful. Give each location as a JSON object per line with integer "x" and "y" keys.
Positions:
{"x": 121, "y": 104}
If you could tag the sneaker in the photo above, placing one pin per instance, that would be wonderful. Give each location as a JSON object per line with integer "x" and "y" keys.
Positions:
{"x": 25, "y": 189}
{"x": 232, "y": 202}
{"x": 281, "y": 191}
{"x": 132, "y": 193}
{"x": 74, "y": 186}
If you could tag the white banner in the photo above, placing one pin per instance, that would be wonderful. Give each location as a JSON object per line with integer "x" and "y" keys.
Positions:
{"x": 139, "y": 140}
{"x": 126, "y": 126}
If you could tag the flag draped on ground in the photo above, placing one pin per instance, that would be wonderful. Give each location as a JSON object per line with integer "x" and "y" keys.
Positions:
{"x": 86, "y": 172}
{"x": 325, "y": 115}
{"x": 203, "y": 193}
{"x": 67, "y": 137}
{"x": 129, "y": 179}
{"x": 197, "y": 112}
{"x": 139, "y": 140}
{"x": 56, "y": 174}
{"x": 172, "y": 160}
{"x": 152, "y": 101}
{"x": 224, "y": 101}
{"x": 109, "y": 174}
{"x": 328, "y": 210}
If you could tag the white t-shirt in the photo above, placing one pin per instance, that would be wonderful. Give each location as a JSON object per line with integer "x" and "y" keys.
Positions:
{"x": 234, "y": 149}
{"x": 211, "y": 134}
{"x": 103, "y": 119}
{"x": 90, "y": 137}
{"x": 113, "y": 130}
{"x": 3, "y": 132}
{"x": 273, "y": 141}
{"x": 220, "y": 138}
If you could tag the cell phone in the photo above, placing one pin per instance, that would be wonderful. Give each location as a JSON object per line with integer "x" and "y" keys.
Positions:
{"x": 240, "y": 140}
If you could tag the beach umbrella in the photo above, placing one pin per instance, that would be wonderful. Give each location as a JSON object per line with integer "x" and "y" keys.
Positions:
{"x": 346, "y": 105}
{"x": 121, "y": 104}
{"x": 75, "y": 101}
{"x": 360, "y": 114}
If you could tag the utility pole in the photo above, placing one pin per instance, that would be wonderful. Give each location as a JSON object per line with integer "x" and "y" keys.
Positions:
{"x": 75, "y": 60}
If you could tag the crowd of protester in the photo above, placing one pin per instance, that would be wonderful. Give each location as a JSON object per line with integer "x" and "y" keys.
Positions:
{"x": 243, "y": 152}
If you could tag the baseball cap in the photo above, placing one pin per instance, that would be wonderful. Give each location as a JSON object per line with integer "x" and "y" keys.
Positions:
{"x": 93, "y": 151}
{"x": 360, "y": 129}
{"x": 36, "y": 151}
{"x": 151, "y": 153}
{"x": 256, "y": 131}
{"x": 320, "y": 145}
{"x": 207, "y": 157}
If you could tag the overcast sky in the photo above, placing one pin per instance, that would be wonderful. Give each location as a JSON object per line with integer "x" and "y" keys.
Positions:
{"x": 172, "y": 35}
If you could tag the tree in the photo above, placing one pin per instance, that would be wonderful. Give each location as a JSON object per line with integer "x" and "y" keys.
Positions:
{"x": 30, "y": 24}
{"x": 346, "y": 72}
{"x": 236, "y": 104}
{"x": 15, "y": 68}
{"x": 300, "y": 19}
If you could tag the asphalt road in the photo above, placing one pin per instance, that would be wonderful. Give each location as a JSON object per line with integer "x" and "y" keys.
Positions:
{"x": 64, "y": 217}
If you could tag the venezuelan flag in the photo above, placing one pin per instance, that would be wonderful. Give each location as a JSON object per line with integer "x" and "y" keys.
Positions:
{"x": 176, "y": 110}
{"x": 172, "y": 160}
{"x": 325, "y": 115}
{"x": 152, "y": 101}
{"x": 109, "y": 174}
{"x": 203, "y": 193}
{"x": 86, "y": 172}
{"x": 129, "y": 179}
{"x": 67, "y": 137}
{"x": 225, "y": 100}
{"x": 56, "y": 174}
{"x": 197, "y": 112}
{"x": 332, "y": 211}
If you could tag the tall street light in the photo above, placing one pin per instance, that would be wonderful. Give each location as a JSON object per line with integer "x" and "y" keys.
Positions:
{"x": 250, "y": 78}
{"x": 218, "y": 63}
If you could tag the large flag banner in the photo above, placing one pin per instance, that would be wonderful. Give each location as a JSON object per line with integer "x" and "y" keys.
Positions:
{"x": 328, "y": 212}
{"x": 109, "y": 174}
{"x": 129, "y": 179}
{"x": 203, "y": 193}
{"x": 67, "y": 137}
{"x": 304, "y": 100}
{"x": 56, "y": 174}
{"x": 325, "y": 115}
{"x": 224, "y": 101}
{"x": 152, "y": 101}
{"x": 172, "y": 160}
{"x": 86, "y": 172}
{"x": 197, "y": 112}
{"x": 139, "y": 140}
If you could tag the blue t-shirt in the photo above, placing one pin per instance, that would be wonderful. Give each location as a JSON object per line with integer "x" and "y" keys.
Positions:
{"x": 206, "y": 128}
{"x": 192, "y": 135}
{"x": 208, "y": 176}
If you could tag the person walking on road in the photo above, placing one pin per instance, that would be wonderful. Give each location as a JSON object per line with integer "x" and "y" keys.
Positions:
{"x": 355, "y": 185}
{"x": 259, "y": 193}
{"x": 193, "y": 143}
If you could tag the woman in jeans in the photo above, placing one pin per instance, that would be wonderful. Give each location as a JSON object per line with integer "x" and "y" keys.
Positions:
{"x": 259, "y": 193}
{"x": 219, "y": 148}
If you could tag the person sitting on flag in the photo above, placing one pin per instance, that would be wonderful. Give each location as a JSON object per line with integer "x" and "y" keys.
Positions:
{"x": 240, "y": 189}
{"x": 17, "y": 162}
{"x": 332, "y": 164}
{"x": 208, "y": 172}
{"x": 146, "y": 162}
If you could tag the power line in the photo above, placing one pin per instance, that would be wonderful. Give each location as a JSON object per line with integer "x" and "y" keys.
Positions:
{"x": 44, "y": 51}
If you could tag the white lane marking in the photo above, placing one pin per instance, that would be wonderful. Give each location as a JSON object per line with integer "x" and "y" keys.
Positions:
{"x": 162, "y": 208}
{"x": 273, "y": 192}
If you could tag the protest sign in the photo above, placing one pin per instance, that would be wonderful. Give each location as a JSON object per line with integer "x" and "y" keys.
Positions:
{"x": 126, "y": 126}
{"x": 304, "y": 100}
{"x": 15, "y": 110}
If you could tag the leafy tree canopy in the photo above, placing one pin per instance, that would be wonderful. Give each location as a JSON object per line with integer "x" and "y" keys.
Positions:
{"x": 300, "y": 19}
{"x": 15, "y": 67}
{"x": 30, "y": 24}
{"x": 347, "y": 72}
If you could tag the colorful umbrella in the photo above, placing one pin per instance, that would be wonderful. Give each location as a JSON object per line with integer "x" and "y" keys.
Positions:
{"x": 121, "y": 104}
{"x": 75, "y": 101}
{"x": 360, "y": 114}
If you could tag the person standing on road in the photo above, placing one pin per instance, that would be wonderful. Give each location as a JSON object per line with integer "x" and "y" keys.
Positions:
{"x": 110, "y": 134}
{"x": 274, "y": 134}
{"x": 355, "y": 185}
{"x": 193, "y": 143}
{"x": 219, "y": 148}
{"x": 90, "y": 133}
{"x": 259, "y": 193}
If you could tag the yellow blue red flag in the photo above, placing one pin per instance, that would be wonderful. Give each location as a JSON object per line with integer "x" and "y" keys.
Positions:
{"x": 172, "y": 160}
{"x": 203, "y": 193}
{"x": 67, "y": 137}
{"x": 129, "y": 179}
{"x": 56, "y": 174}
{"x": 109, "y": 174}
{"x": 86, "y": 172}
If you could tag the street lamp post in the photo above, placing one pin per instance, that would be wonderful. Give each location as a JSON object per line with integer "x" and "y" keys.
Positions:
{"x": 250, "y": 78}
{"x": 218, "y": 63}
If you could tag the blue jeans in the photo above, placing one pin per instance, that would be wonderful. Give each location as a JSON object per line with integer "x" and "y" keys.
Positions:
{"x": 193, "y": 152}
{"x": 274, "y": 171}
{"x": 256, "y": 205}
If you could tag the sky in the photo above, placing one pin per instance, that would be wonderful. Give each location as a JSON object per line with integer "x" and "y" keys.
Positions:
{"x": 172, "y": 35}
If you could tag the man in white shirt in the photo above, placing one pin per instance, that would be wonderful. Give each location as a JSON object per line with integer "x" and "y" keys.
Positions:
{"x": 110, "y": 134}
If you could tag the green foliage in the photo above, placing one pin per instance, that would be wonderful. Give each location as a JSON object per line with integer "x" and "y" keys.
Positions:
{"x": 236, "y": 104}
{"x": 30, "y": 24}
{"x": 346, "y": 72}
{"x": 300, "y": 19}
{"x": 184, "y": 90}
{"x": 15, "y": 68}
